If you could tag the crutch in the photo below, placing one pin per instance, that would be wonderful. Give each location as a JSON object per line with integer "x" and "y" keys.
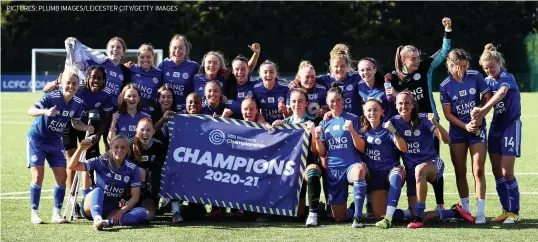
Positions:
{"x": 93, "y": 115}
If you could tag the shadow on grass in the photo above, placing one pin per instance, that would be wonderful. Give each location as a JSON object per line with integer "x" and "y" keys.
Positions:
{"x": 234, "y": 223}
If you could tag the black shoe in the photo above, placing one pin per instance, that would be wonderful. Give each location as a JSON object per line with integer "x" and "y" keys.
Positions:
{"x": 76, "y": 212}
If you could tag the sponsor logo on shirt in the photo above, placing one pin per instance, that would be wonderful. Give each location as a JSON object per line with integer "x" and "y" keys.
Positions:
{"x": 336, "y": 127}
{"x": 370, "y": 139}
{"x": 407, "y": 133}
{"x": 65, "y": 113}
{"x": 463, "y": 93}
{"x": 177, "y": 74}
{"x": 117, "y": 177}
{"x": 271, "y": 99}
{"x": 241, "y": 94}
{"x": 132, "y": 127}
{"x": 112, "y": 73}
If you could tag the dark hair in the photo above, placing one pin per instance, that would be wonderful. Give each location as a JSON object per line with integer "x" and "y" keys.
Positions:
{"x": 137, "y": 144}
{"x": 271, "y": 63}
{"x": 365, "y": 124}
{"x": 188, "y": 45}
{"x": 414, "y": 113}
{"x": 123, "y": 44}
{"x": 215, "y": 83}
{"x": 242, "y": 59}
{"x": 122, "y": 106}
{"x": 336, "y": 88}
{"x": 455, "y": 56}
{"x": 378, "y": 77}
{"x": 301, "y": 91}
{"x": 89, "y": 74}
{"x": 158, "y": 108}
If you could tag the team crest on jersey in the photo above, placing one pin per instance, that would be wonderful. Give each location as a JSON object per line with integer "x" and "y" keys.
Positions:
{"x": 97, "y": 104}
{"x": 71, "y": 113}
{"x": 249, "y": 93}
{"x": 472, "y": 91}
{"x": 417, "y": 132}
{"x": 463, "y": 93}
{"x": 120, "y": 77}
{"x": 153, "y": 157}
{"x": 349, "y": 87}
{"x": 417, "y": 76}
{"x": 177, "y": 74}
{"x": 155, "y": 80}
{"x": 377, "y": 141}
{"x": 34, "y": 158}
{"x": 117, "y": 177}
{"x": 185, "y": 75}
{"x": 132, "y": 127}
{"x": 65, "y": 113}
{"x": 407, "y": 133}
{"x": 271, "y": 100}
{"x": 145, "y": 158}
{"x": 370, "y": 139}
{"x": 280, "y": 99}
{"x": 126, "y": 179}
{"x": 112, "y": 73}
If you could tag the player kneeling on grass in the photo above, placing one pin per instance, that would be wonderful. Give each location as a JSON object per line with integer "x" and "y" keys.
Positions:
{"x": 52, "y": 114}
{"x": 114, "y": 174}
{"x": 421, "y": 161}
{"x": 149, "y": 154}
{"x": 338, "y": 140}
{"x": 298, "y": 101}
{"x": 385, "y": 175}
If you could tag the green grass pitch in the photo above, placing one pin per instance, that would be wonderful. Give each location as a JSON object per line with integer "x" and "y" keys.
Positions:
{"x": 15, "y": 212}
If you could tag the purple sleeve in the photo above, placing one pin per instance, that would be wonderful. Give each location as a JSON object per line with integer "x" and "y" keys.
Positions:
{"x": 443, "y": 95}
{"x": 481, "y": 84}
{"x": 92, "y": 164}
{"x": 135, "y": 178}
{"x": 507, "y": 80}
{"x": 44, "y": 102}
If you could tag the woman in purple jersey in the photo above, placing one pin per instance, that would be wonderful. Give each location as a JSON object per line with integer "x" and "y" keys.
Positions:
{"x": 130, "y": 112}
{"x": 316, "y": 94}
{"x": 241, "y": 68}
{"x": 214, "y": 68}
{"x": 178, "y": 70}
{"x": 147, "y": 78}
{"x": 371, "y": 85}
{"x": 114, "y": 175}
{"x": 460, "y": 93}
{"x": 381, "y": 147}
{"x": 504, "y": 143}
{"x": 213, "y": 105}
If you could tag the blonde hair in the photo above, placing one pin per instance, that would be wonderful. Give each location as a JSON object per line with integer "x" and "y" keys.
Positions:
{"x": 400, "y": 51}
{"x": 340, "y": 51}
{"x": 490, "y": 53}
{"x": 302, "y": 65}
{"x": 68, "y": 73}
{"x": 145, "y": 47}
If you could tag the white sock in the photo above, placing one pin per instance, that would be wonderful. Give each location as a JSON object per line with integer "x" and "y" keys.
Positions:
{"x": 390, "y": 212}
{"x": 56, "y": 210}
{"x": 465, "y": 204}
{"x": 480, "y": 206}
{"x": 407, "y": 213}
{"x": 97, "y": 218}
{"x": 313, "y": 214}
{"x": 175, "y": 206}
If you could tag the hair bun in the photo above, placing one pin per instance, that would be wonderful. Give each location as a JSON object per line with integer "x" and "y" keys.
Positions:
{"x": 490, "y": 47}
{"x": 340, "y": 50}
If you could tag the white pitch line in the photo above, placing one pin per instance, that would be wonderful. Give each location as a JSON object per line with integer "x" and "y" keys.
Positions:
{"x": 25, "y": 192}
{"x": 22, "y": 198}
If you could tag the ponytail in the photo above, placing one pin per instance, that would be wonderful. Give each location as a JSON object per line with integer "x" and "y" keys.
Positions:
{"x": 137, "y": 150}
{"x": 398, "y": 62}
